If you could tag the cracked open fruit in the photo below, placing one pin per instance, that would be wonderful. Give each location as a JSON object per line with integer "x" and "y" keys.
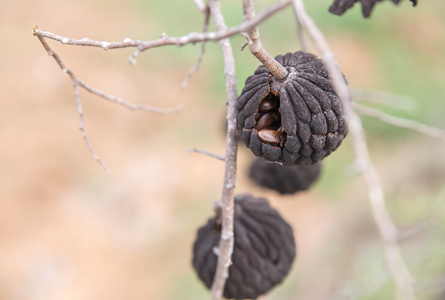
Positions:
{"x": 263, "y": 252}
{"x": 296, "y": 120}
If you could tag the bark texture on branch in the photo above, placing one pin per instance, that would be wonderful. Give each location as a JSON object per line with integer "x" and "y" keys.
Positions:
{"x": 226, "y": 242}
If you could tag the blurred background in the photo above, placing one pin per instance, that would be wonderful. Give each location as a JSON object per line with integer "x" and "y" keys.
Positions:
{"x": 69, "y": 230}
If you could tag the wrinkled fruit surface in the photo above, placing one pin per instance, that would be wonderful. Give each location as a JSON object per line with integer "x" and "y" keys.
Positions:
{"x": 263, "y": 253}
{"x": 297, "y": 120}
{"x": 284, "y": 179}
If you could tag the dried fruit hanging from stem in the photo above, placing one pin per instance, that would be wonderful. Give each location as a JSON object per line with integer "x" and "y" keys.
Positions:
{"x": 263, "y": 252}
{"x": 295, "y": 120}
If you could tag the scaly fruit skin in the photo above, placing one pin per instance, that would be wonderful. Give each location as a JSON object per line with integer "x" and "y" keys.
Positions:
{"x": 263, "y": 253}
{"x": 297, "y": 120}
{"x": 284, "y": 179}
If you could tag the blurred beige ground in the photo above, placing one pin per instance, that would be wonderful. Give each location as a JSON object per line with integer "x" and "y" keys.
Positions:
{"x": 68, "y": 230}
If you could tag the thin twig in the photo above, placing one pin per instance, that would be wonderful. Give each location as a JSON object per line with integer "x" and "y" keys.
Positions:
{"x": 401, "y": 122}
{"x": 388, "y": 231}
{"x": 82, "y": 126}
{"x": 256, "y": 47}
{"x": 380, "y": 97}
{"x": 120, "y": 101}
{"x": 416, "y": 228}
{"x": 191, "y": 38}
{"x": 75, "y": 83}
{"x": 302, "y": 34}
{"x": 208, "y": 153}
{"x": 195, "y": 68}
{"x": 433, "y": 286}
{"x": 433, "y": 220}
{"x": 129, "y": 105}
{"x": 200, "y": 5}
{"x": 226, "y": 241}
{"x": 244, "y": 45}
{"x": 356, "y": 289}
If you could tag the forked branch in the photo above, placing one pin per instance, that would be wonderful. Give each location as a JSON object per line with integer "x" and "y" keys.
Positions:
{"x": 191, "y": 38}
{"x": 77, "y": 82}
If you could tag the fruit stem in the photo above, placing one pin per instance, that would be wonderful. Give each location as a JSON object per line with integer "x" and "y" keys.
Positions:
{"x": 256, "y": 47}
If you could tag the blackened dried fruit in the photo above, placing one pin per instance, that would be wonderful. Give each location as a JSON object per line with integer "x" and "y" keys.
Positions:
{"x": 263, "y": 252}
{"x": 297, "y": 120}
{"x": 340, "y": 6}
{"x": 284, "y": 179}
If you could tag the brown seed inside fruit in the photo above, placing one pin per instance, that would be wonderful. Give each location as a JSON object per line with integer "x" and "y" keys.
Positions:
{"x": 268, "y": 105}
{"x": 270, "y": 136}
{"x": 266, "y": 120}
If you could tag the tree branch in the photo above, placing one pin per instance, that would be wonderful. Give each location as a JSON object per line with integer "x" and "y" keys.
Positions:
{"x": 191, "y": 38}
{"x": 226, "y": 241}
{"x": 75, "y": 83}
{"x": 401, "y": 122}
{"x": 78, "y": 82}
{"x": 385, "y": 225}
{"x": 200, "y": 5}
{"x": 256, "y": 47}
{"x": 128, "y": 105}
{"x": 208, "y": 153}
{"x": 302, "y": 35}
{"x": 206, "y": 12}
{"x": 385, "y": 98}
{"x": 82, "y": 126}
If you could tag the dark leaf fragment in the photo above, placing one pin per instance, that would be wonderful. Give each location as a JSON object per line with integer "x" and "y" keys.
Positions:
{"x": 339, "y": 7}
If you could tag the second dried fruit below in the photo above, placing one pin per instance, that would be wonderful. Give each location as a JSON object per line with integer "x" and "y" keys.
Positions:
{"x": 284, "y": 179}
{"x": 263, "y": 252}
